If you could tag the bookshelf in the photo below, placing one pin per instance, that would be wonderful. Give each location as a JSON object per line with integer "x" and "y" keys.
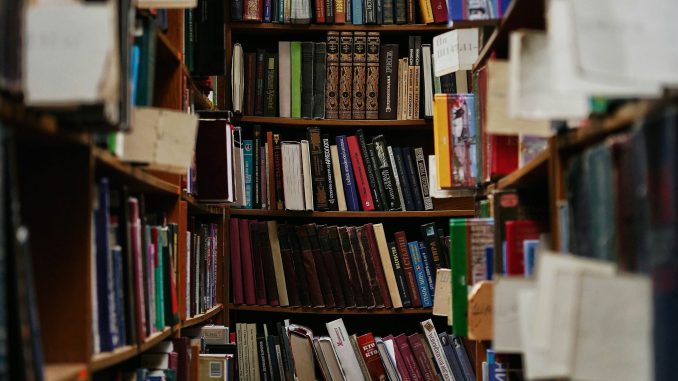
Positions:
{"x": 363, "y": 215}
{"x": 65, "y": 372}
{"x": 533, "y": 173}
{"x": 331, "y": 311}
{"x": 391, "y": 29}
{"x": 390, "y": 125}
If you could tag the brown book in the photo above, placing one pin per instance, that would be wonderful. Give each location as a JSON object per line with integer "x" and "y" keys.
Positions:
{"x": 318, "y": 170}
{"x": 288, "y": 266}
{"x": 253, "y": 10}
{"x": 330, "y": 269}
{"x": 372, "y": 85}
{"x": 267, "y": 263}
{"x": 323, "y": 276}
{"x": 340, "y": 266}
{"x": 361, "y": 231}
{"x": 406, "y": 262}
{"x": 388, "y": 81}
{"x": 278, "y": 266}
{"x": 352, "y": 270}
{"x": 299, "y": 269}
{"x": 260, "y": 83}
{"x": 332, "y": 84}
{"x": 310, "y": 269}
{"x": 361, "y": 267}
{"x": 273, "y": 204}
{"x": 370, "y": 354}
{"x": 258, "y": 267}
{"x": 277, "y": 173}
{"x": 378, "y": 267}
{"x": 411, "y": 16}
{"x": 420, "y": 355}
{"x": 345, "y": 74}
{"x": 359, "y": 74}
{"x": 250, "y": 82}
{"x": 417, "y": 78}
{"x": 211, "y": 161}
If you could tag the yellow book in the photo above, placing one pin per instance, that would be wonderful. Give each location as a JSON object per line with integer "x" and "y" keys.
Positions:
{"x": 426, "y": 11}
{"x": 441, "y": 140}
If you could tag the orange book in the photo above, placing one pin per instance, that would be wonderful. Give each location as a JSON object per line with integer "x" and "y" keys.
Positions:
{"x": 441, "y": 140}
{"x": 426, "y": 11}
{"x": 339, "y": 12}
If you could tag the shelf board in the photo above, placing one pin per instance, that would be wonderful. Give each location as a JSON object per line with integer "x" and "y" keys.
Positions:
{"x": 341, "y": 123}
{"x": 332, "y": 311}
{"x": 534, "y": 172}
{"x": 136, "y": 179}
{"x": 197, "y": 208}
{"x": 302, "y": 214}
{"x": 520, "y": 14}
{"x": 65, "y": 372}
{"x": 197, "y": 319}
{"x": 106, "y": 359}
{"x": 202, "y": 103}
{"x": 392, "y": 28}
{"x": 166, "y": 49}
{"x": 155, "y": 339}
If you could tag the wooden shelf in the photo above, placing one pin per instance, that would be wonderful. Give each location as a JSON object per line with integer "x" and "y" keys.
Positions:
{"x": 520, "y": 14}
{"x": 136, "y": 179}
{"x": 196, "y": 208}
{"x": 197, "y": 319}
{"x": 534, "y": 172}
{"x": 393, "y": 28}
{"x": 369, "y": 215}
{"x": 166, "y": 49}
{"x": 202, "y": 103}
{"x": 65, "y": 372}
{"x": 332, "y": 311}
{"x": 417, "y": 124}
{"x": 107, "y": 359}
{"x": 155, "y": 339}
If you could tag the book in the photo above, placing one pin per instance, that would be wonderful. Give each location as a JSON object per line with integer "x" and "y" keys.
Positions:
{"x": 420, "y": 274}
{"x": 359, "y": 169}
{"x": 270, "y": 172}
{"x": 307, "y": 84}
{"x": 359, "y": 75}
{"x": 408, "y": 358}
{"x": 517, "y": 232}
{"x": 332, "y": 203}
{"x": 318, "y": 170}
{"x": 370, "y": 354}
{"x": 253, "y": 10}
{"x": 408, "y": 268}
{"x": 347, "y": 175}
{"x": 421, "y": 356}
{"x": 319, "y": 13}
{"x": 340, "y": 265}
{"x": 332, "y": 94}
{"x": 260, "y": 83}
{"x": 387, "y": 266}
{"x": 388, "y": 81}
{"x": 358, "y": 10}
{"x": 284, "y": 84}
{"x": 413, "y": 178}
{"x": 426, "y": 11}
{"x": 372, "y": 75}
{"x": 292, "y": 172}
{"x": 271, "y": 95}
{"x": 338, "y": 181}
{"x": 214, "y": 161}
{"x": 427, "y": 85}
{"x": 306, "y": 175}
{"x": 350, "y": 262}
{"x": 404, "y": 179}
{"x": 250, "y": 82}
{"x": 340, "y": 10}
{"x": 277, "y": 173}
{"x": 345, "y": 75}
{"x": 361, "y": 272}
{"x": 319, "y": 79}
{"x": 277, "y": 262}
{"x": 401, "y": 281}
{"x": 347, "y": 358}
{"x": 400, "y": 11}
{"x": 295, "y": 79}
{"x": 327, "y": 255}
{"x": 385, "y": 174}
{"x": 396, "y": 177}
{"x": 236, "y": 266}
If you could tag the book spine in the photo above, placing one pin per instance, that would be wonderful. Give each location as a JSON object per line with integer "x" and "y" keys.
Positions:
{"x": 307, "y": 56}
{"x": 332, "y": 83}
{"x": 268, "y": 10}
{"x": 329, "y": 11}
{"x": 338, "y": 182}
{"x": 359, "y": 168}
{"x": 399, "y": 273}
{"x": 272, "y": 292}
{"x": 340, "y": 266}
{"x": 263, "y": 176}
{"x": 236, "y": 262}
{"x": 345, "y": 74}
{"x": 380, "y": 12}
{"x": 295, "y": 78}
{"x": 388, "y": 10}
{"x": 341, "y": 342}
{"x": 426, "y": 11}
{"x": 411, "y": 15}
{"x": 310, "y": 268}
{"x": 320, "y": 11}
{"x": 416, "y": 97}
{"x": 347, "y": 175}
{"x": 408, "y": 269}
{"x": 361, "y": 361}
{"x": 377, "y": 176}
{"x": 421, "y": 357}
{"x": 256, "y": 153}
{"x": 420, "y": 274}
{"x": 339, "y": 12}
{"x": 388, "y": 86}
{"x": 288, "y": 265}
{"x": 361, "y": 273}
{"x": 280, "y": 11}
{"x": 408, "y": 358}
{"x": 370, "y": 11}
{"x": 261, "y": 79}
{"x": 319, "y": 76}
{"x": 437, "y": 349}
{"x": 277, "y": 263}
{"x": 263, "y": 367}
{"x": 318, "y": 170}
{"x": 350, "y": 263}
{"x": 385, "y": 174}
{"x": 430, "y": 236}
{"x": 328, "y": 262}
{"x": 253, "y": 10}
{"x": 372, "y": 85}
{"x": 404, "y": 179}
{"x": 429, "y": 268}
{"x": 400, "y": 11}
{"x": 366, "y": 260}
{"x": 439, "y": 9}
{"x": 396, "y": 177}
{"x": 270, "y": 172}
{"x": 413, "y": 178}
{"x": 359, "y": 74}
{"x": 423, "y": 178}
{"x": 370, "y": 354}
{"x": 236, "y": 10}
{"x": 277, "y": 173}
{"x": 257, "y": 264}
{"x": 458, "y": 264}
{"x": 329, "y": 173}
{"x": 271, "y": 85}
{"x": 323, "y": 275}
{"x": 250, "y": 82}
{"x": 348, "y": 6}
{"x": 358, "y": 7}
{"x": 299, "y": 269}
{"x": 369, "y": 170}
{"x": 376, "y": 264}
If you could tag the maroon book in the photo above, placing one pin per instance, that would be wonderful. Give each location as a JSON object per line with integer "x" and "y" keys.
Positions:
{"x": 370, "y": 353}
{"x": 288, "y": 266}
{"x": 257, "y": 264}
{"x": 378, "y": 268}
{"x": 267, "y": 262}
{"x": 361, "y": 231}
{"x": 253, "y": 10}
{"x": 352, "y": 270}
{"x": 330, "y": 269}
{"x": 340, "y": 266}
{"x": 421, "y": 356}
{"x": 310, "y": 268}
{"x": 250, "y": 82}
{"x": 182, "y": 346}
{"x": 236, "y": 262}
{"x": 323, "y": 276}
{"x": 297, "y": 259}
{"x": 358, "y": 256}
{"x": 400, "y": 362}
{"x": 408, "y": 358}
{"x": 134, "y": 224}
{"x": 211, "y": 160}
{"x": 408, "y": 269}
{"x": 439, "y": 10}
{"x": 246, "y": 260}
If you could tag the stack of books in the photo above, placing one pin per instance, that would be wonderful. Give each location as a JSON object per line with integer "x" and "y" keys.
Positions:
{"x": 334, "y": 267}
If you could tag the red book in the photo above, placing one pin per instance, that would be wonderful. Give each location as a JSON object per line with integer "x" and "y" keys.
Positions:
{"x": 370, "y": 353}
{"x": 134, "y": 225}
{"x": 422, "y": 357}
{"x": 246, "y": 261}
{"x": 258, "y": 264}
{"x": 378, "y": 268}
{"x": 408, "y": 358}
{"x": 339, "y": 11}
{"x": 400, "y": 362}
{"x": 516, "y": 233}
{"x": 273, "y": 203}
{"x": 406, "y": 262}
{"x": 503, "y": 154}
{"x": 439, "y": 11}
{"x": 320, "y": 11}
{"x": 253, "y": 10}
{"x": 236, "y": 262}
{"x": 362, "y": 185}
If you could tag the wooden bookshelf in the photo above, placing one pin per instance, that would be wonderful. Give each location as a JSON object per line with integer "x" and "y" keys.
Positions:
{"x": 416, "y": 124}
{"x": 65, "y": 372}
{"x": 366, "y": 215}
{"x": 331, "y": 311}
{"x": 535, "y": 172}
{"x": 245, "y": 27}
{"x": 198, "y": 208}
{"x": 155, "y": 339}
{"x": 137, "y": 179}
{"x": 200, "y": 318}
{"x": 166, "y": 47}
{"x": 107, "y": 359}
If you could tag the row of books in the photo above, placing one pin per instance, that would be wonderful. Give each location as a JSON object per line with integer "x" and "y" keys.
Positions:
{"x": 334, "y": 267}
{"x": 359, "y": 12}
{"x": 296, "y": 352}
{"x": 350, "y": 76}
{"x": 136, "y": 262}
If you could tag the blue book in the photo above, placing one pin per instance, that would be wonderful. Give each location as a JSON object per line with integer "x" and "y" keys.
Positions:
{"x": 347, "y": 176}
{"x": 489, "y": 262}
{"x": 503, "y": 255}
{"x": 429, "y": 268}
{"x": 529, "y": 255}
{"x": 134, "y": 63}
{"x": 358, "y": 12}
{"x": 119, "y": 316}
{"x": 159, "y": 278}
{"x": 462, "y": 357}
{"x": 248, "y": 167}
{"x": 495, "y": 370}
{"x": 455, "y": 10}
{"x": 281, "y": 11}
{"x": 503, "y": 7}
{"x": 104, "y": 267}
{"x": 420, "y": 274}
{"x": 267, "y": 10}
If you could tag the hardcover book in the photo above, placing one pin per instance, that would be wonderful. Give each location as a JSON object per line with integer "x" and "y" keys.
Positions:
{"x": 319, "y": 79}
{"x": 359, "y": 75}
{"x": 388, "y": 82}
{"x": 345, "y": 75}
{"x": 307, "y": 84}
{"x": 372, "y": 86}
{"x": 332, "y": 94}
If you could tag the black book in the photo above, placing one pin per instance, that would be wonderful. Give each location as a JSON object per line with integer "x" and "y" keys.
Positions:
{"x": 388, "y": 81}
{"x": 319, "y": 75}
{"x": 429, "y": 235}
{"x": 404, "y": 179}
{"x": 370, "y": 11}
{"x": 271, "y": 93}
{"x": 380, "y": 11}
{"x": 369, "y": 170}
{"x": 399, "y": 275}
{"x": 448, "y": 84}
{"x": 209, "y": 53}
{"x": 273, "y": 342}
{"x": 256, "y": 173}
{"x": 318, "y": 170}
{"x": 260, "y": 83}
{"x": 387, "y": 9}
{"x": 328, "y": 260}
{"x": 267, "y": 264}
{"x": 385, "y": 172}
{"x": 236, "y": 10}
{"x": 413, "y": 177}
{"x": 329, "y": 172}
{"x": 262, "y": 352}
{"x": 377, "y": 176}
{"x": 285, "y": 351}
{"x": 307, "y": 79}
{"x": 329, "y": 12}
{"x": 299, "y": 272}
{"x": 400, "y": 11}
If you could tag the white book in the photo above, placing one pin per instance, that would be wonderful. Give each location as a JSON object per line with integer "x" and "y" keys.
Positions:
{"x": 331, "y": 359}
{"x": 237, "y": 78}
{"x": 385, "y": 256}
{"x": 455, "y": 50}
{"x": 505, "y": 325}
{"x": 336, "y": 172}
{"x": 277, "y": 264}
{"x": 307, "y": 180}
{"x": 342, "y": 346}
{"x": 428, "y": 80}
{"x": 442, "y": 299}
{"x": 284, "y": 73}
{"x": 300, "y": 12}
{"x": 389, "y": 365}
{"x": 292, "y": 175}
{"x": 253, "y": 355}
{"x": 437, "y": 349}
{"x": 396, "y": 177}
{"x": 166, "y": 4}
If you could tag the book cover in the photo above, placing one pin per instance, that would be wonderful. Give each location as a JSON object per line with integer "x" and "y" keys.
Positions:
{"x": 257, "y": 263}
{"x": 396, "y": 177}
{"x": 370, "y": 171}
{"x": 319, "y": 79}
{"x": 401, "y": 281}
{"x": 307, "y": 80}
{"x": 362, "y": 184}
{"x": 421, "y": 356}
{"x": 439, "y": 10}
{"x": 288, "y": 265}
{"x": 413, "y": 178}
{"x": 299, "y": 269}
{"x": 320, "y": 264}
{"x": 250, "y": 82}
{"x": 338, "y": 182}
{"x": 352, "y": 270}
{"x": 347, "y": 357}
{"x": 426, "y": 11}
{"x": 332, "y": 94}
{"x": 319, "y": 11}
{"x": 361, "y": 267}
{"x": 517, "y": 232}
{"x": 347, "y": 175}
{"x": 277, "y": 262}
{"x": 277, "y": 173}
{"x": 420, "y": 274}
{"x": 295, "y": 79}
{"x": 293, "y": 188}
{"x": 433, "y": 246}
{"x": 318, "y": 170}
{"x": 441, "y": 141}
{"x": 436, "y": 347}
{"x": 370, "y": 354}
{"x": 271, "y": 96}
{"x": 372, "y": 85}
{"x": 423, "y": 178}
{"x": 236, "y": 266}
{"x": 385, "y": 174}
{"x": 339, "y": 12}
{"x": 388, "y": 82}
{"x": 329, "y": 172}
{"x": 259, "y": 92}
{"x": 345, "y": 75}
{"x": 379, "y": 271}
{"x": 310, "y": 269}
{"x": 340, "y": 266}
{"x": 327, "y": 256}
{"x": 408, "y": 358}
{"x": 408, "y": 268}
{"x": 284, "y": 85}
{"x": 404, "y": 179}
{"x": 359, "y": 75}
{"x": 379, "y": 184}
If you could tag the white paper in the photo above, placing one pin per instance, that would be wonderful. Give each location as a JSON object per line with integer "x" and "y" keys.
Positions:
{"x": 455, "y": 50}
{"x": 506, "y": 327}
{"x": 533, "y": 359}
{"x": 391, "y": 351}
{"x": 532, "y": 95}
{"x": 442, "y": 300}
{"x": 614, "y": 329}
{"x": 169, "y": 4}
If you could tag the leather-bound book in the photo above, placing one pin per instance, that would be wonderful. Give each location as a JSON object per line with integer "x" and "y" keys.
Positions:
{"x": 345, "y": 74}
{"x": 372, "y": 85}
{"x": 330, "y": 269}
{"x": 351, "y": 268}
{"x": 359, "y": 74}
{"x": 310, "y": 269}
{"x": 340, "y": 266}
{"x": 319, "y": 73}
{"x": 323, "y": 277}
{"x": 307, "y": 79}
{"x": 332, "y": 76}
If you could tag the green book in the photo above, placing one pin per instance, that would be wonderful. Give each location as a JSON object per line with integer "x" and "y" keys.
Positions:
{"x": 484, "y": 208}
{"x": 295, "y": 93}
{"x": 159, "y": 283}
{"x": 459, "y": 283}
{"x": 598, "y": 169}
